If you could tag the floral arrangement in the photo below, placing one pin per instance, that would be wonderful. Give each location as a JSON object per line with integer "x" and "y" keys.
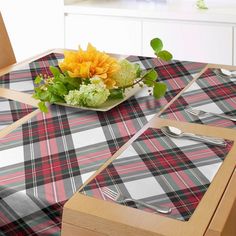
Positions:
{"x": 89, "y": 78}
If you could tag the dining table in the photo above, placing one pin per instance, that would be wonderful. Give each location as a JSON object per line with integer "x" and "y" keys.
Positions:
{"x": 55, "y": 166}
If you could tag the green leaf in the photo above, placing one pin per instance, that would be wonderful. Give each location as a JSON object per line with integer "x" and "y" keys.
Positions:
{"x": 138, "y": 70}
{"x": 43, "y": 107}
{"x": 116, "y": 94}
{"x": 56, "y": 98}
{"x": 164, "y": 55}
{"x": 150, "y": 74}
{"x": 55, "y": 71}
{"x": 156, "y": 45}
{"x": 150, "y": 77}
{"x": 149, "y": 82}
{"x": 44, "y": 95}
{"x": 74, "y": 82}
{"x": 159, "y": 90}
{"x": 59, "y": 89}
{"x": 38, "y": 79}
{"x": 37, "y": 91}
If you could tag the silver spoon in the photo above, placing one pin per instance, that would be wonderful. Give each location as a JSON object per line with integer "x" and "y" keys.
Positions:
{"x": 174, "y": 132}
{"x": 225, "y": 73}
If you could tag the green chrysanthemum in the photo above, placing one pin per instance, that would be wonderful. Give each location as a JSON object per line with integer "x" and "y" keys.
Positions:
{"x": 126, "y": 75}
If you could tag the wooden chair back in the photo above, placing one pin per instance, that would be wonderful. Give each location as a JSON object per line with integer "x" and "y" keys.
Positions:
{"x": 7, "y": 56}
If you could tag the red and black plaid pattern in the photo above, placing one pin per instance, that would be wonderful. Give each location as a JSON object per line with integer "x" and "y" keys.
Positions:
{"x": 11, "y": 111}
{"x": 211, "y": 93}
{"x": 22, "y": 78}
{"x": 176, "y": 75}
{"x": 162, "y": 171}
{"x": 48, "y": 158}
{"x": 44, "y": 221}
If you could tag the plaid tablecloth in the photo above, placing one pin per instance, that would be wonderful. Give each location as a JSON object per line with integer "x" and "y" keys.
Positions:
{"x": 46, "y": 160}
{"x": 11, "y": 111}
{"x": 212, "y": 93}
{"x": 162, "y": 171}
{"x": 22, "y": 77}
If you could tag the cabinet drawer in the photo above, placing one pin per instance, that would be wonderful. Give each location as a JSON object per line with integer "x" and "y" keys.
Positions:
{"x": 110, "y": 34}
{"x": 191, "y": 41}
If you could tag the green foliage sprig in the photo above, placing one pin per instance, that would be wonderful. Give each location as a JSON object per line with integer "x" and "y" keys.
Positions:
{"x": 150, "y": 78}
{"x": 53, "y": 89}
{"x": 201, "y": 4}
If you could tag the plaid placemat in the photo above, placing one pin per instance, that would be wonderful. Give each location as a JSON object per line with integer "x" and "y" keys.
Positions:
{"x": 211, "y": 93}
{"x": 11, "y": 111}
{"x": 162, "y": 171}
{"x": 49, "y": 157}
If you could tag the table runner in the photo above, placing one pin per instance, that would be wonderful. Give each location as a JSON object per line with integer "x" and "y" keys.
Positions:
{"x": 211, "y": 92}
{"x": 58, "y": 151}
{"x": 162, "y": 171}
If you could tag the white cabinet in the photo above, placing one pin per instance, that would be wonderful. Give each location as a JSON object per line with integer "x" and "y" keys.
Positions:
{"x": 34, "y": 26}
{"x": 110, "y": 34}
{"x": 127, "y": 26}
{"x": 234, "y": 46}
{"x": 191, "y": 41}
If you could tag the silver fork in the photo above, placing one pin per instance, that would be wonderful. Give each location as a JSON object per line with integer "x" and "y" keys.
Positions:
{"x": 120, "y": 198}
{"x": 200, "y": 113}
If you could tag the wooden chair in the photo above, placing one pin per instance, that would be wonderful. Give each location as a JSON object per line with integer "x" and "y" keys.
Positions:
{"x": 7, "y": 56}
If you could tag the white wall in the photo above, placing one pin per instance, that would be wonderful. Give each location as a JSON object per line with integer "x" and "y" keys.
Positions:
{"x": 34, "y": 26}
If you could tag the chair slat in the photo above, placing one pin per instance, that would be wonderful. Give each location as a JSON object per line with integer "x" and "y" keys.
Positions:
{"x": 7, "y": 56}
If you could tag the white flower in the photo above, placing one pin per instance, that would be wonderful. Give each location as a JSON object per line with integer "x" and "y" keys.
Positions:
{"x": 91, "y": 95}
{"x": 97, "y": 80}
{"x": 73, "y": 98}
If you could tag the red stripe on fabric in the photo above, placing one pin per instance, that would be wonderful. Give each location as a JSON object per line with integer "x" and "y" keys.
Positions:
{"x": 13, "y": 178}
{"x": 199, "y": 154}
{"x": 153, "y": 145}
{"x": 49, "y": 192}
{"x": 92, "y": 157}
{"x": 131, "y": 168}
{"x": 3, "y": 219}
{"x": 186, "y": 179}
{"x": 176, "y": 83}
{"x": 43, "y": 148}
{"x": 20, "y": 74}
{"x": 6, "y": 117}
{"x": 196, "y": 97}
{"x": 60, "y": 188}
{"x": 176, "y": 178}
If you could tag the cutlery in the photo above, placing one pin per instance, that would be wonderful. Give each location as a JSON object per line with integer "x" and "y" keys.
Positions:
{"x": 200, "y": 113}
{"x": 174, "y": 132}
{"x": 120, "y": 198}
{"x": 225, "y": 73}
